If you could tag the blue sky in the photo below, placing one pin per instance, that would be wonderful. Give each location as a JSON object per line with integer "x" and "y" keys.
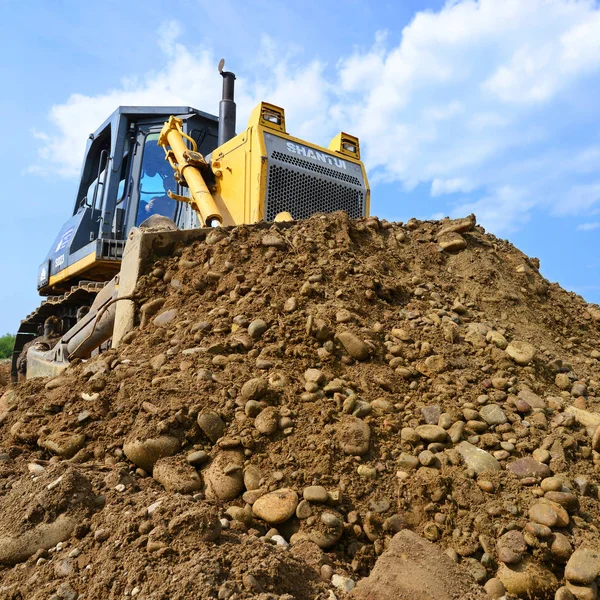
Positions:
{"x": 486, "y": 106}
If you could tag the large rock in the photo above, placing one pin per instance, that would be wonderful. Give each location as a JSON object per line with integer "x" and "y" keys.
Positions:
{"x": 144, "y": 453}
{"x": 276, "y": 507}
{"x": 477, "y": 459}
{"x": 583, "y": 566}
{"x": 521, "y": 352}
{"x": 415, "y": 569}
{"x": 223, "y": 478}
{"x": 528, "y": 579}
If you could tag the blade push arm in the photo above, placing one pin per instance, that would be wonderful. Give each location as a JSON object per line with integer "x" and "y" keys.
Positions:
{"x": 185, "y": 163}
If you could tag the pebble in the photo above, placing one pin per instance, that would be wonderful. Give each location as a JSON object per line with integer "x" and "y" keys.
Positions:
{"x": 144, "y": 453}
{"x": 315, "y": 493}
{"x": 276, "y": 507}
{"x": 267, "y": 421}
{"x": 432, "y": 433}
{"x": 527, "y": 579}
{"x": 257, "y": 328}
{"x": 254, "y": 389}
{"x": 219, "y": 484}
{"x": 492, "y": 414}
{"x": 583, "y": 567}
{"x": 494, "y": 588}
{"x": 342, "y": 583}
{"x": 511, "y": 547}
{"x": 175, "y": 475}
{"x": 64, "y": 444}
{"x": 354, "y": 346}
{"x": 561, "y": 548}
{"x": 212, "y": 425}
{"x": 529, "y": 467}
{"x": 521, "y": 352}
{"x": 477, "y": 459}
{"x": 198, "y": 458}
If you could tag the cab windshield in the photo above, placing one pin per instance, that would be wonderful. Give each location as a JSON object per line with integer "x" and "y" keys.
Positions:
{"x": 155, "y": 181}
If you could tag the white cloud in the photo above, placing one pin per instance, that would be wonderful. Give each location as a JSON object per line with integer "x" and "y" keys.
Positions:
{"x": 589, "y": 226}
{"x": 481, "y": 98}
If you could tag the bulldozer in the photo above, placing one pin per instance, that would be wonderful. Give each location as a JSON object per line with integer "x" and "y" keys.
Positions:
{"x": 154, "y": 176}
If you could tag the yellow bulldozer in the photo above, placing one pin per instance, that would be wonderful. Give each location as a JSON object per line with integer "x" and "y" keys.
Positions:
{"x": 155, "y": 175}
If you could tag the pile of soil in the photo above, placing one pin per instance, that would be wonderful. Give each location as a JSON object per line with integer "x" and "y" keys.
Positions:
{"x": 406, "y": 407}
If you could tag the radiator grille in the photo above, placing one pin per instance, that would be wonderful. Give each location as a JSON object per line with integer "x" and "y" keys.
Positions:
{"x": 302, "y": 194}
{"x": 317, "y": 168}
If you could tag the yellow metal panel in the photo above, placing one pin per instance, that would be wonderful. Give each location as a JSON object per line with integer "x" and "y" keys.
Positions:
{"x": 83, "y": 264}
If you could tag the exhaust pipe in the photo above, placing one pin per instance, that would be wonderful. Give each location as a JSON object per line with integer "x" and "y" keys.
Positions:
{"x": 226, "y": 107}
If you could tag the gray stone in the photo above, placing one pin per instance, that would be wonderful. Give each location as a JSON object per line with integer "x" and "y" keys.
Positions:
{"x": 315, "y": 493}
{"x": 492, "y": 414}
{"x": 477, "y": 459}
{"x": 583, "y": 567}
{"x": 257, "y": 328}
{"x": 511, "y": 547}
{"x": 529, "y": 467}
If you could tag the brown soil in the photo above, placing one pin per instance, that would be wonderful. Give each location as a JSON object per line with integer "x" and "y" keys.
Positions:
{"x": 419, "y": 316}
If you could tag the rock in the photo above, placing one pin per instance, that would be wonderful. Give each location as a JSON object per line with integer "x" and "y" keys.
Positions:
{"x": 492, "y": 414}
{"x": 583, "y": 567}
{"x": 145, "y": 453}
{"x": 327, "y": 531}
{"x": 583, "y": 592}
{"x": 64, "y": 444}
{"x": 549, "y": 514}
{"x": 197, "y": 458}
{"x": 452, "y": 242}
{"x": 431, "y": 414}
{"x": 354, "y": 436}
{"x": 532, "y": 399}
{"x": 496, "y": 338}
{"x": 354, "y": 346}
{"x": 432, "y": 433}
{"x": 257, "y": 328}
{"x": 254, "y": 389}
{"x": 165, "y": 318}
{"x": 315, "y": 376}
{"x": 221, "y": 481}
{"x": 342, "y": 583}
{"x": 511, "y": 547}
{"x": 564, "y": 593}
{"x": 315, "y": 493}
{"x": 212, "y": 425}
{"x": 272, "y": 240}
{"x": 529, "y": 467}
{"x": 267, "y": 421}
{"x": 494, "y": 588}
{"x": 252, "y": 477}
{"x": 458, "y": 225}
{"x": 528, "y": 579}
{"x": 276, "y": 507}
{"x": 414, "y": 569}
{"x": 562, "y": 381}
{"x": 200, "y": 523}
{"x": 561, "y": 548}
{"x": 477, "y": 459}
{"x": 521, "y": 352}
{"x": 176, "y": 475}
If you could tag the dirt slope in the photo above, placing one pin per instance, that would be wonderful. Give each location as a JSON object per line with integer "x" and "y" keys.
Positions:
{"x": 293, "y": 398}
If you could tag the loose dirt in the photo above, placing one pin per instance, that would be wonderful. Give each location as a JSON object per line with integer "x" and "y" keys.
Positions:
{"x": 294, "y": 404}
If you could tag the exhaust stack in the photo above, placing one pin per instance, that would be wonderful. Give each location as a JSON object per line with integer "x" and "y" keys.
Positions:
{"x": 226, "y": 106}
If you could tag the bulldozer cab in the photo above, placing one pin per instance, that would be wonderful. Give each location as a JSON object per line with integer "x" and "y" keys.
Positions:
{"x": 124, "y": 180}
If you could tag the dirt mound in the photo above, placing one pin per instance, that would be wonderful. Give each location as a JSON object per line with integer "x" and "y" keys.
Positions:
{"x": 294, "y": 397}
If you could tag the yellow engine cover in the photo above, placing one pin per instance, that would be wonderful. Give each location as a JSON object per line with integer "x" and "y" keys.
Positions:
{"x": 264, "y": 171}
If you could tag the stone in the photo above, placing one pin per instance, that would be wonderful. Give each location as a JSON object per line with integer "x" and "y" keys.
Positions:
{"x": 165, "y": 318}
{"x": 431, "y": 414}
{"x": 452, "y": 242}
{"x": 212, "y": 425}
{"x": 315, "y": 376}
{"x": 583, "y": 592}
{"x": 315, "y": 493}
{"x": 497, "y": 339}
{"x": 267, "y": 421}
{"x": 176, "y": 475}
{"x": 494, "y": 588}
{"x": 546, "y": 514}
{"x": 562, "y": 381}
{"x": 354, "y": 436}
{"x": 221, "y": 481}
{"x": 564, "y": 593}
{"x": 254, "y": 389}
{"x": 415, "y": 569}
{"x": 521, "y": 352}
{"x": 407, "y": 462}
{"x": 511, "y": 547}
{"x": 354, "y": 346}
{"x": 492, "y": 414}
{"x": 276, "y": 507}
{"x": 64, "y": 444}
{"x": 272, "y": 240}
{"x": 477, "y": 459}
{"x": 145, "y": 453}
{"x": 561, "y": 548}
{"x": 528, "y": 579}
{"x": 257, "y": 328}
{"x": 432, "y": 433}
{"x": 342, "y": 583}
{"x": 583, "y": 567}
{"x": 529, "y": 467}
{"x": 252, "y": 477}
{"x": 197, "y": 458}
{"x": 533, "y": 400}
